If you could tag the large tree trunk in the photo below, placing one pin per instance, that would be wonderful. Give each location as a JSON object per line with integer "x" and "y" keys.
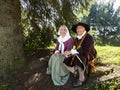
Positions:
{"x": 11, "y": 43}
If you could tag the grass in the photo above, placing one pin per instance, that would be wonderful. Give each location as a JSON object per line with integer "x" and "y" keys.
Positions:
{"x": 105, "y": 54}
{"x": 107, "y": 85}
{"x": 108, "y": 54}
{"x": 5, "y": 86}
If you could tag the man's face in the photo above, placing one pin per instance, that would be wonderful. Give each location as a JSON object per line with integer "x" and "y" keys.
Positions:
{"x": 80, "y": 30}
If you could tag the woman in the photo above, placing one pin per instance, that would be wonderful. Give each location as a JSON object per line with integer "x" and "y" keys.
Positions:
{"x": 59, "y": 73}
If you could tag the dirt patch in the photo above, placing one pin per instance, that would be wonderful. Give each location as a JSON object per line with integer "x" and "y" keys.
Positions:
{"x": 34, "y": 76}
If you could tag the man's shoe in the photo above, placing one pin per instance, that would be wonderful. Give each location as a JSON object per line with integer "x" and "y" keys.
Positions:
{"x": 77, "y": 84}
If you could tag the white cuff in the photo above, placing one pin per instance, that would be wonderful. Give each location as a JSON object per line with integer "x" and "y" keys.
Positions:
{"x": 74, "y": 51}
{"x": 56, "y": 51}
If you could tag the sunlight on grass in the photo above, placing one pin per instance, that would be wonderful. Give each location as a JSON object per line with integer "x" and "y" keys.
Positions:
{"x": 51, "y": 47}
{"x": 108, "y": 54}
{"x": 105, "y": 54}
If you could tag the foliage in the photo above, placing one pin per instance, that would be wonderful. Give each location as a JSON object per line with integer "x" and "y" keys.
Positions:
{"x": 105, "y": 20}
{"x": 45, "y": 16}
{"x": 5, "y": 86}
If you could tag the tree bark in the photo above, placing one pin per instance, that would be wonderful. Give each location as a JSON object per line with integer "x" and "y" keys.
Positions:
{"x": 11, "y": 42}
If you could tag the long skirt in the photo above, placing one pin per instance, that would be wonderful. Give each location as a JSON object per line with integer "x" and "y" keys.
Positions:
{"x": 59, "y": 73}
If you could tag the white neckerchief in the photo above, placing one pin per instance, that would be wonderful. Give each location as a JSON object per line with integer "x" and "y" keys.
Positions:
{"x": 63, "y": 39}
{"x": 80, "y": 36}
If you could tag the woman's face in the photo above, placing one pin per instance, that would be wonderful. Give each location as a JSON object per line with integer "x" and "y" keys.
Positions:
{"x": 63, "y": 31}
{"x": 80, "y": 30}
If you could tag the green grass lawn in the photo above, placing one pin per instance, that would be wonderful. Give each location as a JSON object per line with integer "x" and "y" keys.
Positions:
{"x": 108, "y": 54}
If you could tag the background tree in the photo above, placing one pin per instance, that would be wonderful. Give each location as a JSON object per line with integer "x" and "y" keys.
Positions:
{"x": 40, "y": 18}
{"x": 43, "y": 17}
{"x": 105, "y": 19}
{"x": 11, "y": 42}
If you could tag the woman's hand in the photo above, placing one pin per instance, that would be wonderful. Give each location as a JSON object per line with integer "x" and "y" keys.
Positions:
{"x": 66, "y": 53}
{"x": 58, "y": 54}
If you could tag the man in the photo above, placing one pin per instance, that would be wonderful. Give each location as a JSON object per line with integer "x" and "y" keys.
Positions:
{"x": 83, "y": 53}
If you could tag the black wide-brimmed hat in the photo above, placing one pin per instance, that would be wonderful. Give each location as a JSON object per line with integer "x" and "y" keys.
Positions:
{"x": 87, "y": 27}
